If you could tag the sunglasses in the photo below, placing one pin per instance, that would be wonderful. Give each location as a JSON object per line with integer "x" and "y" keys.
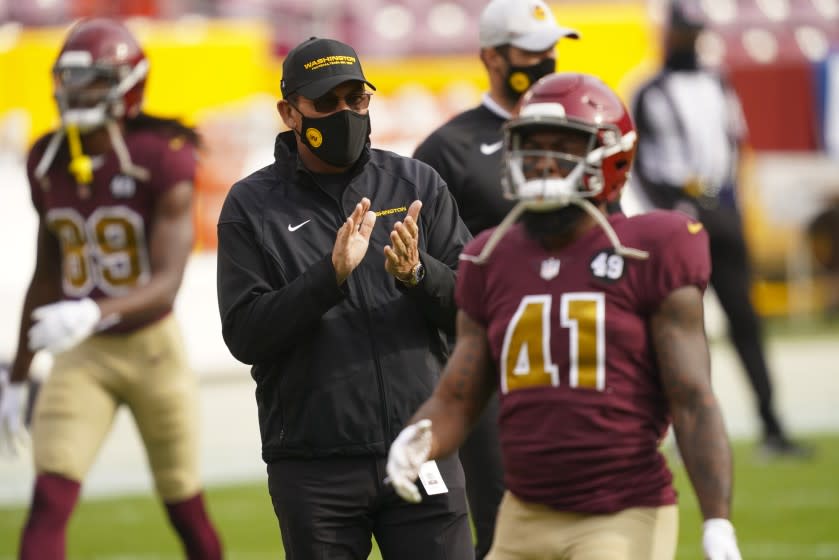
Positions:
{"x": 357, "y": 101}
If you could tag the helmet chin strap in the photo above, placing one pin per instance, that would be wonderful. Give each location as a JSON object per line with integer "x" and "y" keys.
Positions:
{"x": 496, "y": 236}
{"x": 126, "y": 165}
{"x": 49, "y": 155}
{"x": 601, "y": 220}
{"x": 523, "y": 205}
{"x": 81, "y": 165}
{"x": 559, "y": 191}
{"x": 140, "y": 70}
{"x": 76, "y": 121}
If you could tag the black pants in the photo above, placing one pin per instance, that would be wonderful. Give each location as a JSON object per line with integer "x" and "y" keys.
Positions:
{"x": 481, "y": 458}
{"x": 329, "y": 508}
{"x": 731, "y": 278}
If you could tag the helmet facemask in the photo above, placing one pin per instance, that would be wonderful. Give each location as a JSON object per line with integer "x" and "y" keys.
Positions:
{"x": 543, "y": 169}
{"x": 94, "y": 91}
{"x": 567, "y": 166}
{"x": 89, "y": 94}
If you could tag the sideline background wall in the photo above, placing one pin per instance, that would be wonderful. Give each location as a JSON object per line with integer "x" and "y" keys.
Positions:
{"x": 222, "y": 76}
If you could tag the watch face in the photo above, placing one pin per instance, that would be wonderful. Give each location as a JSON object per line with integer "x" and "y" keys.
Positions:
{"x": 416, "y": 275}
{"x": 419, "y": 273}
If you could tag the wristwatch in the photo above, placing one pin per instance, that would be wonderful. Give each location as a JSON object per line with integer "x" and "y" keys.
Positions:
{"x": 415, "y": 276}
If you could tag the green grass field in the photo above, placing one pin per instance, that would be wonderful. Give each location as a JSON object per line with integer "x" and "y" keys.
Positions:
{"x": 782, "y": 510}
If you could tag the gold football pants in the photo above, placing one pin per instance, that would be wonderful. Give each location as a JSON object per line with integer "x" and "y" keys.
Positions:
{"x": 145, "y": 370}
{"x": 525, "y": 531}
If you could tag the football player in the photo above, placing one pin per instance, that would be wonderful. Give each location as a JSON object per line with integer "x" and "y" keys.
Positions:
{"x": 519, "y": 40}
{"x": 113, "y": 190}
{"x": 590, "y": 327}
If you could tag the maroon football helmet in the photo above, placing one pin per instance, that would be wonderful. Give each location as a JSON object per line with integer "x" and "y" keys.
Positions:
{"x": 583, "y": 105}
{"x": 100, "y": 73}
{"x": 566, "y": 109}
{"x": 99, "y": 76}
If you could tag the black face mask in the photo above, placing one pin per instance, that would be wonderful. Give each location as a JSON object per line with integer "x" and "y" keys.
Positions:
{"x": 519, "y": 78}
{"x": 554, "y": 223}
{"x": 337, "y": 139}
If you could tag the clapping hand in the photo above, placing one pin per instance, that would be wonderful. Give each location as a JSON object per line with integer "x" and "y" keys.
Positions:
{"x": 403, "y": 253}
{"x": 352, "y": 240}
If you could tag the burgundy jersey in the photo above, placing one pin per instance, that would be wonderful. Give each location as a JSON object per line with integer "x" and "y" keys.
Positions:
{"x": 582, "y": 407}
{"x": 104, "y": 232}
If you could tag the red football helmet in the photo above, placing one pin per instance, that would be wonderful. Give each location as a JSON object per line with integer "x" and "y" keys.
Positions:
{"x": 581, "y": 105}
{"x": 99, "y": 76}
{"x": 100, "y": 73}
{"x": 570, "y": 141}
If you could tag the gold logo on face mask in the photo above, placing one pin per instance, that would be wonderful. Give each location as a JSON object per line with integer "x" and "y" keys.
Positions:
{"x": 539, "y": 13}
{"x": 519, "y": 81}
{"x": 314, "y": 137}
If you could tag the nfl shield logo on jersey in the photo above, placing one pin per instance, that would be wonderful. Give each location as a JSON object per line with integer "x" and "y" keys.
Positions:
{"x": 123, "y": 186}
{"x": 550, "y": 268}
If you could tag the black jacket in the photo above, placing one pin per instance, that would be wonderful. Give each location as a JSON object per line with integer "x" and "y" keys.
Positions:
{"x": 339, "y": 370}
{"x": 466, "y": 152}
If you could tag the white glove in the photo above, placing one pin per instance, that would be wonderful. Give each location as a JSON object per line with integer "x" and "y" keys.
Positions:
{"x": 408, "y": 452}
{"x": 719, "y": 541}
{"x": 60, "y": 326}
{"x": 13, "y": 434}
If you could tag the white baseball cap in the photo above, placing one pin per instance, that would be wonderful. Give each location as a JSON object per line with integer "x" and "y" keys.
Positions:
{"x": 526, "y": 24}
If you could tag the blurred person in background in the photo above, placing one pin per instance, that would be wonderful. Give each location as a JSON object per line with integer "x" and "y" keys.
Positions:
{"x": 518, "y": 41}
{"x": 589, "y": 326}
{"x": 518, "y": 46}
{"x": 691, "y": 130}
{"x": 336, "y": 272}
{"x": 823, "y": 239}
{"x": 113, "y": 190}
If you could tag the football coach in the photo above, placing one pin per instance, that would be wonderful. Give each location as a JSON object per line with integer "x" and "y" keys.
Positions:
{"x": 336, "y": 273}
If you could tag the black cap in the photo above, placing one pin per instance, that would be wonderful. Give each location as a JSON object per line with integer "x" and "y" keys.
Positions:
{"x": 685, "y": 15}
{"x": 317, "y": 65}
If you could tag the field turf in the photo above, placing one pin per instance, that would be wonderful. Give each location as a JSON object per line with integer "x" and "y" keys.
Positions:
{"x": 782, "y": 510}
